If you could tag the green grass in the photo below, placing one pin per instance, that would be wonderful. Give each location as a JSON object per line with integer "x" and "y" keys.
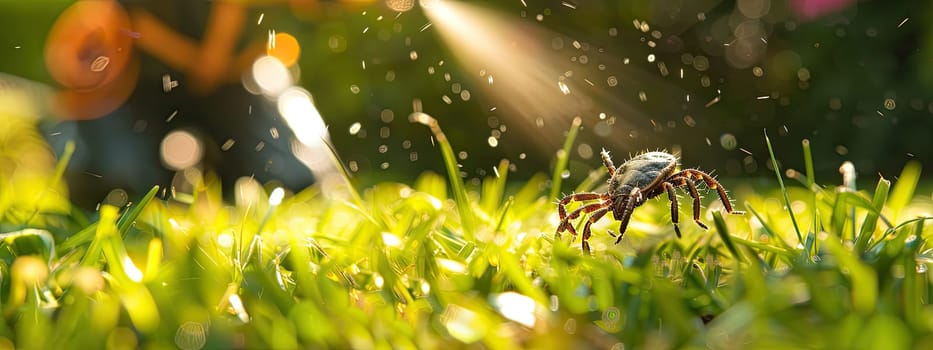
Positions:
{"x": 440, "y": 263}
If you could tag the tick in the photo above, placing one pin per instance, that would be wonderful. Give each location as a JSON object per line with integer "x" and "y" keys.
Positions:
{"x": 639, "y": 179}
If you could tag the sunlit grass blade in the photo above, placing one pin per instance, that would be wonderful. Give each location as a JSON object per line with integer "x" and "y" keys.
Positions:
{"x": 915, "y": 279}
{"x": 871, "y": 219}
{"x": 780, "y": 178}
{"x": 562, "y": 157}
{"x": 344, "y": 174}
{"x": 772, "y": 235}
{"x": 723, "y": 232}
{"x": 464, "y": 207}
{"x": 864, "y": 290}
{"x": 494, "y": 188}
{"x": 904, "y": 188}
{"x": 811, "y": 184}
{"x": 127, "y": 219}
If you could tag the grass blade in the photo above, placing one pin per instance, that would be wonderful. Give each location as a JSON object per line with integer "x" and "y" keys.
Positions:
{"x": 453, "y": 172}
{"x": 871, "y": 219}
{"x": 562, "y": 158}
{"x": 777, "y": 172}
{"x": 904, "y": 188}
{"x": 127, "y": 219}
{"x": 723, "y": 232}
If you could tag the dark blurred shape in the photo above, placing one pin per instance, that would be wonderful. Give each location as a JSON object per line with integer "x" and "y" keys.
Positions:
{"x": 192, "y": 53}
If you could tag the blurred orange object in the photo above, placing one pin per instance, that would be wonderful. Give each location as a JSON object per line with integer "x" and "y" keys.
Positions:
{"x": 89, "y": 51}
{"x": 285, "y": 47}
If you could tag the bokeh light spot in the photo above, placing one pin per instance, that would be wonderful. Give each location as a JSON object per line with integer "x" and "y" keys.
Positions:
{"x": 180, "y": 150}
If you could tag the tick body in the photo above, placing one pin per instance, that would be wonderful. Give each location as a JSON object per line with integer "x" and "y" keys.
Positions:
{"x": 639, "y": 179}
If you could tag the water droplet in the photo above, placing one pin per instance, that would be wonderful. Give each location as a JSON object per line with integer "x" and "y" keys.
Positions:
{"x": 354, "y": 89}
{"x": 413, "y": 55}
{"x": 565, "y": 174}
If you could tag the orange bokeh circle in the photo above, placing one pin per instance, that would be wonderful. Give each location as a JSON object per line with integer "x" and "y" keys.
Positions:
{"x": 89, "y": 45}
{"x": 286, "y": 49}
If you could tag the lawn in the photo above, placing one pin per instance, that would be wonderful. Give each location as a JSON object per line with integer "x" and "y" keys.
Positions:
{"x": 439, "y": 263}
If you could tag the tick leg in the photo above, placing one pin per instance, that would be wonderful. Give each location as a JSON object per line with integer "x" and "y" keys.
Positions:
{"x": 586, "y": 209}
{"x": 696, "y": 199}
{"x": 579, "y": 197}
{"x": 586, "y": 228}
{"x": 713, "y": 184}
{"x": 626, "y": 215}
{"x": 672, "y": 195}
{"x": 607, "y": 161}
{"x": 562, "y": 207}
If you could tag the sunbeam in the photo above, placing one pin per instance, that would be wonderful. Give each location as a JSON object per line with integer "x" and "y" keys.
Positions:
{"x": 519, "y": 67}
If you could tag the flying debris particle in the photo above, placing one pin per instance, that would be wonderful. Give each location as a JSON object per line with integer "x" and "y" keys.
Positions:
{"x": 447, "y": 99}
{"x": 171, "y": 116}
{"x": 642, "y": 96}
{"x": 612, "y": 80}
{"x": 589, "y": 82}
{"x": 902, "y": 22}
{"x": 228, "y": 145}
{"x": 524, "y": 4}
{"x": 425, "y": 27}
{"x": 465, "y": 95}
{"x": 910, "y": 154}
{"x": 100, "y": 63}
{"x": 260, "y": 146}
{"x": 563, "y": 87}
{"x": 365, "y": 30}
{"x": 746, "y": 151}
{"x": 493, "y": 142}
{"x": 757, "y": 71}
{"x": 413, "y": 55}
{"x": 889, "y": 104}
{"x": 712, "y": 102}
{"x": 663, "y": 69}
{"x": 765, "y": 97}
{"x": 651, "y": 58}
{"x": 708, "y": 142}
{"x": 689, "y": 121}
{"x": 879, "y": 113}
{"x": 569, "y": 5}
{"x": 168, "y": 84}
{"x": 261, "y": 16}
{"x": 99, "y": 176}
{"x": 363, "y": 63}
{"x": 354, "y": 89}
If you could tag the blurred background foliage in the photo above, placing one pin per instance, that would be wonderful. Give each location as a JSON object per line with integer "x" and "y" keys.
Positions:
{"x": 703, "y": 78}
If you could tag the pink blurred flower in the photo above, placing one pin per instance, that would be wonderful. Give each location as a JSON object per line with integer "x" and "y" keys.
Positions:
{"x": 812, "y": 9}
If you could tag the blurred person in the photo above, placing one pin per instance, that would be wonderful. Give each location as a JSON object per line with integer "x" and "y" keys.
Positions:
{"x": 133, "y": 72}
